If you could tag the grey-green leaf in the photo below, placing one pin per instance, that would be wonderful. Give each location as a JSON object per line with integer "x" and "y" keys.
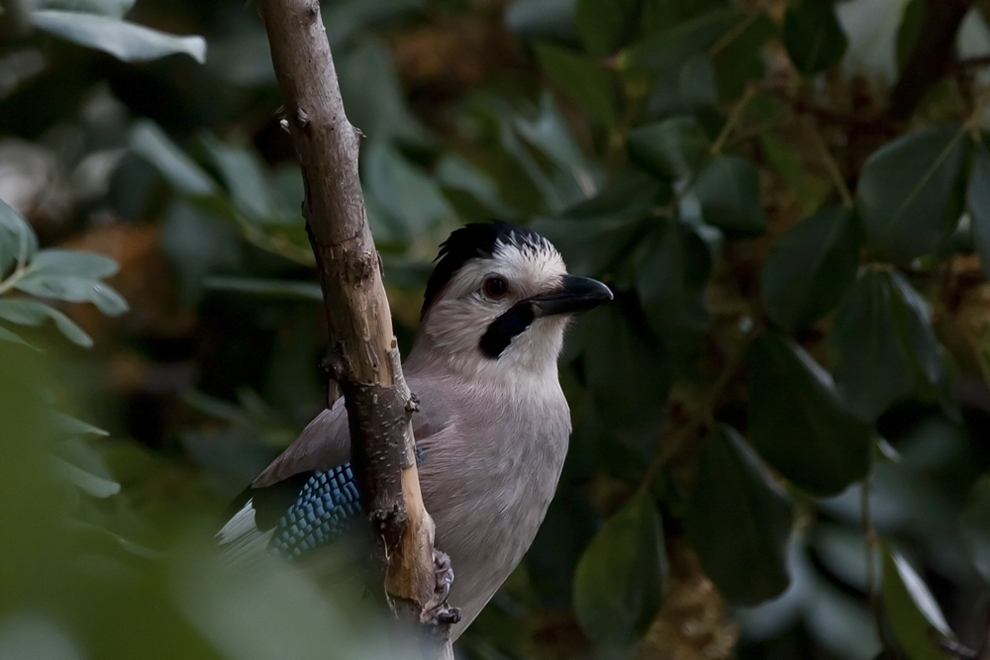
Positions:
{"x": 728, "y": 189}
{"x": 32, "y": 312}
{"x": 738, "y": 521}
{"x": 150, "y": 142}
{"x": 810, "y": 267}
{"x": 89, "y": 265}
{"x": 910, "y": 192}
{"x": 798, "y": 423}
{"x": 128, "y": 42}
{"x": 619, "y": 581}
{"x": 17, "y": 240}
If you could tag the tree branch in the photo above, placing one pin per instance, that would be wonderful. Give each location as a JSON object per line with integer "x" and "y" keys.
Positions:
{"x": 364, "y": 358}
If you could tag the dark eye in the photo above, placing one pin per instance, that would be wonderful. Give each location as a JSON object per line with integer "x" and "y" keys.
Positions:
{"x": 496, "y": 287}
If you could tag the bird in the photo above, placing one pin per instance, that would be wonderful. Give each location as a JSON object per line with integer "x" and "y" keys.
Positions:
{"x": 491, "y": 431}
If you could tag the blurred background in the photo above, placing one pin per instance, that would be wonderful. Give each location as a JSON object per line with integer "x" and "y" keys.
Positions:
{"x": 782, "y": 427}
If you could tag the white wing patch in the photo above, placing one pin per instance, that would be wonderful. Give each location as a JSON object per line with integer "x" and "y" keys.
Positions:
{"x": 240, "y": 539}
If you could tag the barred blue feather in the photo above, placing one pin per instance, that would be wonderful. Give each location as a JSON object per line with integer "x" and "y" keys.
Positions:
{"x": 327, "y": 506}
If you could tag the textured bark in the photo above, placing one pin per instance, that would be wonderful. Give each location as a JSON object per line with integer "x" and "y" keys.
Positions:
{"x": 364, "y": 358}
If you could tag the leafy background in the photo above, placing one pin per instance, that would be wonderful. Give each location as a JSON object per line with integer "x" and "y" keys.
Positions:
{"x": 781, "y": 424}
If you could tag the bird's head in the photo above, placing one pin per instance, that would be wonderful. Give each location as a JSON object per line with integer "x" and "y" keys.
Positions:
{"x": 500, "y": 296}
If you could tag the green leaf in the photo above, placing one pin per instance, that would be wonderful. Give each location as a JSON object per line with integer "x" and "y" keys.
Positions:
{"x": 273, "y": 288}
{"x": 741, "y": 56}
{"x": 672, "y": 149}
{"x": 127, "y": 42}
{"x": 885, "y": 342}
{"x": 911, "y": 610}
{"x": 582, "y": 78}
{"x": 603, "y": 24}
{"x": 812, "y": 35}
{"x": 671, "y": 278}
{"x": 910, "y": 192}
{"x": 729, "y": 191}
{"x": 738, "y": 521}
{"x": 798, "y": 423}
{"x": 674, "y": 46}
{"x": 32, "y": 312}
{"x": 619, "y": 581}
{"x": 978, "y": 203}
{"x": 810, "y": 267}
{"x": 150, "y": 142}
{"x": 810, "y": 188}
{"x": 626, "y": 368}
{"x": 911, "y": 29}
{"x": 88, "y": 265}
{"x": 17, "y": 240}
{"x": 689, "y": 88}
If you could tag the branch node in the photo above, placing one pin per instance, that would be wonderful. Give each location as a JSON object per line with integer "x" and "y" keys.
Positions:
{"x": 301, "y": 118}
{"x": 412, "y": 404}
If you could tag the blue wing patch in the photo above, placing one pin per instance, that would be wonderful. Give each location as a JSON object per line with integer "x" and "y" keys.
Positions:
{"x": 327, "y": 506}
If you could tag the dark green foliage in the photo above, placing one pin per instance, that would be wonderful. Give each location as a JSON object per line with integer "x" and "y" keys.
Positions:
{"x": 788, "y": 396}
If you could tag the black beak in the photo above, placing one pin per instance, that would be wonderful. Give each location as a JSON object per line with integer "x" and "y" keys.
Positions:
{"x": 576, "y": 294}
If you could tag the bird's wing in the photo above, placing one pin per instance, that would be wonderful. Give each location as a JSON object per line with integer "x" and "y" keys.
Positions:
{"x": 308, "y": 496}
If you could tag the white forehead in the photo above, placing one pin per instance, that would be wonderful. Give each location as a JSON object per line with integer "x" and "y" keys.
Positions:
{"x": 527, "y": 266}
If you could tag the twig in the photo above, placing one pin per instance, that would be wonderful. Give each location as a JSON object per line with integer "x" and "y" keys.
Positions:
{"x": 365, "y": 359}
{"x": 833, "y": 172}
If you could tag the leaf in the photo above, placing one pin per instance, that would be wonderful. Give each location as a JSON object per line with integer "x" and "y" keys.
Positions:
{"x": 671, "y": 149}
{"x": 671, "y": 278}
{"x": 812, "y": 35}
{"x": 976, "y": 526}
{"x": 728, "y": 189}
{"x": 88, "y": 265}
{"x": 582, "y": 78}
{"x": 86, "y": 481}
{"x": 75, "y": 427}
{"x": 738, "y": 521}
{"x": 150, "y": 142}
{"x": 978, "y": 203}
{"x": 911, "y": 29}
{"x": 911, "y": 610}
{"x": 603, "y": 24}
{"x": 674, "y": 46}
{"x": 798, "y": 423}
{"x": 742, "y": 54}
{"x": 810, "y": 188}
{"x": 542, "y": 19}
{"x": 410, "y": 201}
{"x": 32, "y": 312}
{"x": 245, "y": 178}
{"x": 689, "y": 88}
{"x": 273, "y": 288}
{"x": 910, "y": 192}
{"x": 45, "y": 284}
{"x": 14, "y": 338}
{"x": 885, "y": 342}
{"x": 619, "y": 581}
{"x": 17, "y": 240}
{"x": 626, "y": 368}
{"x": 115, "y": 8}
{"x": 810, "y": 267}
{"x": 127, "y": 42}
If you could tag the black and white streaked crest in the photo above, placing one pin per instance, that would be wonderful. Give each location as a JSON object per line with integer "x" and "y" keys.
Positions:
{"x": 478, "y": 240}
